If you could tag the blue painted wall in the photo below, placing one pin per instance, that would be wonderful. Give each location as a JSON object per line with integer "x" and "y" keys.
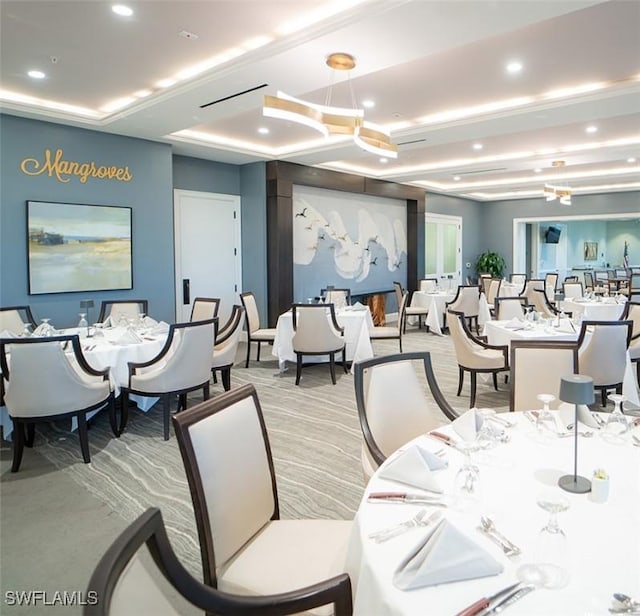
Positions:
{"x": 205, "y": 176}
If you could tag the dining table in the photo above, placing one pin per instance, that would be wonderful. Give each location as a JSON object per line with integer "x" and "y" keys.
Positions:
{"x": 601, "y": 555}
{"x": 356, "y": 321}
{"x": 435, "y": 302}
{"x": 598, "y": 309}
{"x": 112, "y": 348}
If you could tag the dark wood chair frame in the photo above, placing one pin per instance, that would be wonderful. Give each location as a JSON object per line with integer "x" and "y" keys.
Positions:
{"x": 347, "y": 292}
{"x": 248, "y": 329}
{"x": 165, "y": 396}
{"x": 583, "y": 332}
{"x": 589, "y": 282}
{"x": 550, "y": 306}
{"x": 26, "y": 310}
{"x": 24, "y": 427}
{"x": 150, "y": 529}
{"x": 537, "y": 344}
{"x": 206, "y": 300}
{"x": 237, "y": 313}
{"x": 359, "y": 370}
{"x": 107, "y": 303}
{"x": 516, "y": 298}
{"x": 332, "y": 355}
{"x": 471, "y": 319}
{"x": 336, "y": 589}
{"x": 623, "y": 317}
{"x": 524, "y": 284}
{"x": 482, "y": 341}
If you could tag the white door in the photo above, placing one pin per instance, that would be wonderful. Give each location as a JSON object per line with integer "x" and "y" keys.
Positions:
{"x": 207, "y": 250}
{"x": 442, "y": 246}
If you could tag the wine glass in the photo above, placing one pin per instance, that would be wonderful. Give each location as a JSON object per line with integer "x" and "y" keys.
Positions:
{"x": 45, "y": 328}
{"x": 26, "y": 331}
{"x": 546, "y": 422}
{"x": 548, "y": 569}
{"x": 467, "y": 480}
{"x": 616, "y": 428}
{"x": 83, "y": 324}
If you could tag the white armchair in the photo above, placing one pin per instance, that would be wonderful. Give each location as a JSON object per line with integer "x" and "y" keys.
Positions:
{"x": 204, "y": 308}
{"x": 226, "y": 346}
{"x": 14, "y": 318}
{"x": 255, "y": 331}
{"x": 118, "y": 309}
{"x": 467, "y": 301}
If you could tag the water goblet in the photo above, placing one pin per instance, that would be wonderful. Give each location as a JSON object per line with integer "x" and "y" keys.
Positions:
{"x": 45, "y": 328}
{"x": 548, "y": 569}
{"x": 467, "y": 479}
{"x": 26, "y": 331}
{"x": 546, "y": 423}
{"x": 616, "y": 428}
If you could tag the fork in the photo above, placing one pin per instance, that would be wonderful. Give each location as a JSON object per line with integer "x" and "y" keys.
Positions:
{"x": 403, "y": 527}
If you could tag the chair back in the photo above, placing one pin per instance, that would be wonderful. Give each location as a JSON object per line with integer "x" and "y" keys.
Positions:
{"x": 494, "y": 290}
{"x": 507, "y": 308}
{"x": 228, "y": 338}
{"x": 485, "y": 283}
{"x": 532, "y": 285}
{"x": 631, "y": 313}
{"x": 399, "y": 292}
{"x": 14, "y": 318}
{"x": 467, "y": 301}
{"x": 620, "y": 273}
{"x": 63, "y": 382}
{"x": 634, "y": 287}
{"x": 338, "y": 297}
{"x": 402, "y": 309}
{"x": 204, "y": 308}
{"x": 570, "y": 279}
{"x": 468, "y": 352}
{"x": 602, "y": 350}
{"x": 551, "y": 282}
{"x": 541, "y": 303}
{"x": 519, "y": 279}
{"x": 251, "y": 311}
{"x": 391, "y": 416}
{"x": 428, "y": 285}
{"x": 227, "y": 458}
{"x": 128, "y": 309}
{"x": 316, "y": 331}
{"x": 588, "y": 281}
{"x": 572, "y": 289}
{"x": 537, "y": 367}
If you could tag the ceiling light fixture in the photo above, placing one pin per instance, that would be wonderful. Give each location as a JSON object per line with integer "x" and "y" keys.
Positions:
{"x": 591, "y": 129}
{"x": 553, "y": 192}
{"x": 36, "y": 74}
{"x": 477, "y": 146}
{"x": 631, "y": 160}
{"x": 514, "y": 67}
{"x": 330, "y": 120}
{"x": 122, "y": 10}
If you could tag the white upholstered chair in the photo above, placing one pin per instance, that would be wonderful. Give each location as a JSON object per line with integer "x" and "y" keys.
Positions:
{"x": 338, "y": 297}
{"x": 409, "y": 311}
{"x": 541, "y": 303}
{"x": 474, "y": 355}
{"x": 204, "y": 308}
{"x": 493, "y": 292}
{"x": 390, "y": 416}
{"x": 127, "y": 309}
{"x": 532, "y": 285}
{"x": 467, "y": 301}
{"x": 226, "y": 346}
{"x": 632, "y": 313}
{"x": 572, "y": 289}
{"x": 537, "y": 367}
{"x": 391, "y": 332}
{"x": 550, "y": 284}
{"x": 507, "y": 308}
{"x": 245, "y": 547}
{"x": 126, "y": 584}
{"x": 427, "y": 285}
{"x": 255, "y": 332}
{"x": 14, "y": 318}
{"x": 43, "y": 383}
{"x": 518, "y": 279}
{"x": 317, "y": 333}
{"x": 181, "y": 366}
{"x": 602, "y": 353}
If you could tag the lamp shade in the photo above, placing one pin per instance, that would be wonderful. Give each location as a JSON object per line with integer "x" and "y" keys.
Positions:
{"x": 576, "y": 389}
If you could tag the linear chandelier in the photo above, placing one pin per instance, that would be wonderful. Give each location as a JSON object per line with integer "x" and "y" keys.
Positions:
{"x": 553, "y": 192}
{"x": 330, "y": 120}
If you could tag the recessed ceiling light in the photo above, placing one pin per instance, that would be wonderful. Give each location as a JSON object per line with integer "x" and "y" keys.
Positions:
{"x": 165, "y": 83}
{"x": 36, "y": 74}
{"x": 631, "y": 160}
{"x": 384, "y": 160}
{"x": 477, "y": 146}
{"x": 537, "y": 170}
{"x": 591, "y": 129}
{"x": 514, "y": 67}
{"x": 122, "y": 10}
{"x": 456, "y": 178}
{"x": 368, "y": 104}
{"x": 263, "y": 130}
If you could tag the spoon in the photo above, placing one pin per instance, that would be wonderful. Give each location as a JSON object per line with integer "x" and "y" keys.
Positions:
{"x": 489, "y": 526}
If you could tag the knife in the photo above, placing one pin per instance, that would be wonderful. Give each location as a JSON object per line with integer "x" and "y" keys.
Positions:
{"x": 404, "y": 497}
{"x": 505, "y": 602}
{"x": 443, "y": 438}
{"x": 486, "y": 602}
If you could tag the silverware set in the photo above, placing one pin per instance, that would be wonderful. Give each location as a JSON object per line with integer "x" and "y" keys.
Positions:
{"x": 416, "y": 521}
{"x": 488, "y": 528}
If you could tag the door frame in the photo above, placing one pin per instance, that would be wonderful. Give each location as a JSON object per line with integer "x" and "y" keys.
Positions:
{"x": 450, "y": 219}
{"x": 234, "y": 201}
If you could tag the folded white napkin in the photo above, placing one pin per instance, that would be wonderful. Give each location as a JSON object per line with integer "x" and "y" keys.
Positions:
{"x": 107, "y": 322}
{"x": 468, "y": 424}
{"x": 5, "y": 333}
{"x": 358, "y": 306}
{"x": 160, "y": 328}
{"x": 444, "y": 555}
{"x": 149, "y": 322}
{"x": 567, "y": 412}
{"x": 129, "y": 337}
{"x": 414, "y": 467}
{"x": 515, "y": 322}
{"x": 609, "y": 300}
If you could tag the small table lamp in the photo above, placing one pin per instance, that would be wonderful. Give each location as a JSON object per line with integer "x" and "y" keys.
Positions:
{"x": 576, "y": 389}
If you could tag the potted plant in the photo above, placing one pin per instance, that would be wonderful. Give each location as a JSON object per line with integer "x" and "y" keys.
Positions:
{"x": 490, "y": 263}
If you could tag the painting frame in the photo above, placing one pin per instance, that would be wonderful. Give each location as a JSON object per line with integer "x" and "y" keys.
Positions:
{"x": 76, "y": 247}
{"x": 591, "y": 251}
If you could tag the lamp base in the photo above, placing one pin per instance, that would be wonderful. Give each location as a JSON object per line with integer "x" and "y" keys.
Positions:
{"x": 575, "y": 484}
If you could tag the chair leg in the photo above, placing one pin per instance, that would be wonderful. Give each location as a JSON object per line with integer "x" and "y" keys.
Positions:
{"x": 214, "y": 375}
{"x": 84, "y": 437}
{"x": 332, "y": 367}
{"x": 30, "y": 434}
{"x": 226, "y": 378}
{"x": 460, "y": 379}
{"x": 472, "y": 400}
{"x": 495, "y": 381}
{"x": 113, "y": 422}
{"x": 124, "y": 410}
{"x": 166, "y": 411}
{"x": 246, "y": 365}
{"x": 344, "y": 360}
{"x": 18, "y": 446}
{"x": 258, "y": 356}
{"x": 182, "y": 402}
{"x": 400, "y": 343}
{"x": 298, "y": 367}
{"x": 603, "y": 397}
{"x": 205, "y": 391}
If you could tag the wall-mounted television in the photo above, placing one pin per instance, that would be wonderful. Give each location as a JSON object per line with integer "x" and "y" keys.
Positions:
{"x": 552, "y": 235}
{"x": 74, "y": 247}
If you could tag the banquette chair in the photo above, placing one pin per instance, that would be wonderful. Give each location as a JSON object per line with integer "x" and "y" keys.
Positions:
{"x": 467, "y": 302}
{"x": 116, "y": 309}
{"x": 255, "y": 332}
{"x": 391, "y": 332}
{"x": 13, "y": 319}
{"x": 474, "y": 355}
{"x": 409, "y": 311}
{"x": 391, "y": 416}
{"x": 226, "y": 346}
{"x": 43, "y": 383}
{"x": 182, "y": 365}
{"x": 245, "y": 547}
{"x": 507, "y": 308}
{"x": 124, "y": 584}
{"x": 315, "y": 334}
{"x": 204, "y": 308}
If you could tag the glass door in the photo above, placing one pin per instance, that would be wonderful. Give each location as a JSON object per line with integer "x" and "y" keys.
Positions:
{"x": 443, "y": 255}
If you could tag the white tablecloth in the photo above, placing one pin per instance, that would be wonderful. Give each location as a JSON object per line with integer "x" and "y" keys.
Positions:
{"x": 356, "y": 325}
{"x": 603, "y": 553}
{"x": 606, "y": 310}
{"x": 103, "y": 352}
{"x": 436, "y": 303}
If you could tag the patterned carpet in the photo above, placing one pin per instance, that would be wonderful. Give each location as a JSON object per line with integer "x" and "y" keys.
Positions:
{"x": 313, "y": 428}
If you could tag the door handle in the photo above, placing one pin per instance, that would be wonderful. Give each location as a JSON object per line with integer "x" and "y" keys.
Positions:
{"x": 185, "y": 291}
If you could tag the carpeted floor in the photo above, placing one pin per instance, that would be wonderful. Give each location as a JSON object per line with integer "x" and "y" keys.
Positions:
{"x": 314, "y": 433}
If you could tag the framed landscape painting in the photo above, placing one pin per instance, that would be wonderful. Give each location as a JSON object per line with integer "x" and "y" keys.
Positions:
{"x": 74, "y": 247}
